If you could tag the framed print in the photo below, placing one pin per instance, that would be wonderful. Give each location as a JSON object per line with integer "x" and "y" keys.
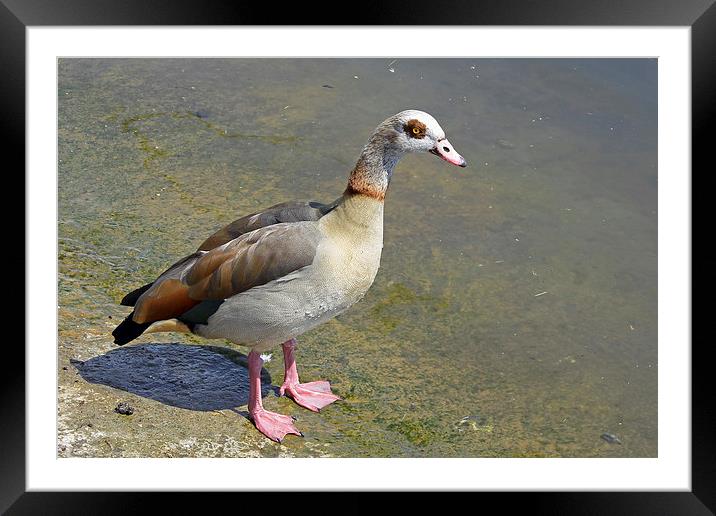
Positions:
{"x": 518, "y": 322}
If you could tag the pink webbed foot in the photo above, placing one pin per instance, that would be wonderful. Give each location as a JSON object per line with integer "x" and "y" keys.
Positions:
{"x": 274, "y": 426}
{"x": 312, "y": 395}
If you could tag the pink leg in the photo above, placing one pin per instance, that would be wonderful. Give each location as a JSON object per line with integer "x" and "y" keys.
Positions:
{"x": 272, "y": 425}
{"x": 313, "y": 395}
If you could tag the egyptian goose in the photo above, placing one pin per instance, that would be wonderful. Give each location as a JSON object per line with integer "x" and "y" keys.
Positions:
{"x": 271, "y": 276}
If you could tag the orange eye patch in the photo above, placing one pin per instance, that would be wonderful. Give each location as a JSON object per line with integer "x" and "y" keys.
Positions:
{"x": 415, "y": 128}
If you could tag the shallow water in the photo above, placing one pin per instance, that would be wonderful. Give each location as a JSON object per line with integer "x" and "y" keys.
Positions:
{"x": 515, "y": 311}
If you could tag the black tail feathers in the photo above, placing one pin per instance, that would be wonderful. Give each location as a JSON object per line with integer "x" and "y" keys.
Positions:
{"x": 131, "y": 298}
{"x": 128, "y": 330}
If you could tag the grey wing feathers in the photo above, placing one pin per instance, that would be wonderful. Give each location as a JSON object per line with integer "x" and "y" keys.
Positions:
{"x": 293, "y": 211}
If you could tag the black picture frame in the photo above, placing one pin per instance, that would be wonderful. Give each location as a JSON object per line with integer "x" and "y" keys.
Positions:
{"x": 17, "y": 15}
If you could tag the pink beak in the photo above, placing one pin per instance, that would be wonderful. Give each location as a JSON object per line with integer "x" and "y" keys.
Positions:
{"x": 447, "y": 152}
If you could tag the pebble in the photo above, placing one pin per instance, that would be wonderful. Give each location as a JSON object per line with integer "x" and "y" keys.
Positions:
{"x": 124, "y": 409}
{"x": 611, "y": 438}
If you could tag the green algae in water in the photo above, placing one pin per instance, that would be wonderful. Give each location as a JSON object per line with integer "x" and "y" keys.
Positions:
{"x": 152, "y": 151}
{"x": 128, "y": 125}
{"x": 419, "y": 432}
{"x": 398, "y": 299}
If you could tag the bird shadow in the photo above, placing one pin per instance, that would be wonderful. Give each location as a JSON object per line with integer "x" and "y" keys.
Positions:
{"x": 199, "y": 378}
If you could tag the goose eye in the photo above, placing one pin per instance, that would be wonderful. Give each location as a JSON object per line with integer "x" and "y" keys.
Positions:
{"x": 415, "y": 129}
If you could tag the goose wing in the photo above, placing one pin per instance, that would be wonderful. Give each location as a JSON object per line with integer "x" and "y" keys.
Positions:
{"x": 255, "y": 258}
{"x": 285, "y": 212}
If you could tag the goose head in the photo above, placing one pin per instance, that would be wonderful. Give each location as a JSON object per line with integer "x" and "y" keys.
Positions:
{"x": 405, "y": 132}
{"x": 418, "y": 131}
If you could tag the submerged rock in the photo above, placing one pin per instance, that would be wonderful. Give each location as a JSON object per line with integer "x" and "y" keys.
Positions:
{"x": 611, "y": 438}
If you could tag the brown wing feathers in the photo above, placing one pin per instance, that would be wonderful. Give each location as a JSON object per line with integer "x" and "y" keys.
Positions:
{"x": 131, "y": 298}
{"x": 164, "y": 299}
{"x": 167, "y": 299}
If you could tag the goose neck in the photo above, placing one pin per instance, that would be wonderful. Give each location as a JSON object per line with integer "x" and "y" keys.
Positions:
{"x": 374, "y": 168}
